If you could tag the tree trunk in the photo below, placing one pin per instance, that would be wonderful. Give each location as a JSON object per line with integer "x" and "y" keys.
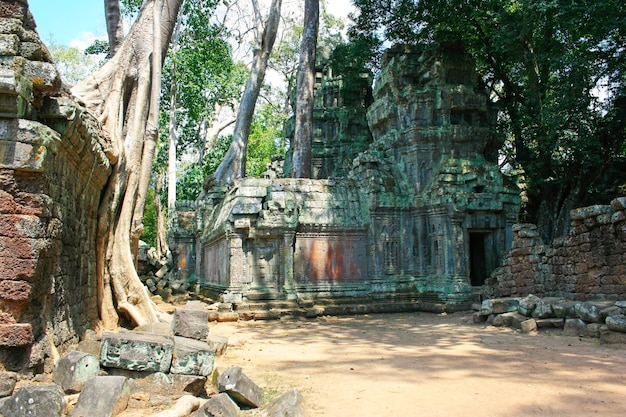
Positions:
{"x": 124, "y": 95}
{"x": 115, "y": 29}
{"x": 233, "y": 165}
{"x": 303, "y": 136}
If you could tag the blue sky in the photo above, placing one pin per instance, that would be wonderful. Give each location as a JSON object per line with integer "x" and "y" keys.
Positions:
{"x": 69, "y": 22}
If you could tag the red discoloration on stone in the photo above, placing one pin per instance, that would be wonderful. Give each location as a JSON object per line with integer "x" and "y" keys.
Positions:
{"x": 16, "y": 334}
{"x": 337, "y": 259}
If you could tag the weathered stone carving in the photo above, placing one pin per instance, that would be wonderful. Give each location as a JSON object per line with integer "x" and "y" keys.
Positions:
{"x": 419, "y": 217}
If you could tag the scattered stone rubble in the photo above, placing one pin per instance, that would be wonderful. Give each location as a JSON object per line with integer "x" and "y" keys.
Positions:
{"x": 603, "y": 320}
{"x": 154, "y": 363}
{"x": 159, "y": 276}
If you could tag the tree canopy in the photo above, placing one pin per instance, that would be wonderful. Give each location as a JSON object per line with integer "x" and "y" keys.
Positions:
{"x": 555, "y": 68}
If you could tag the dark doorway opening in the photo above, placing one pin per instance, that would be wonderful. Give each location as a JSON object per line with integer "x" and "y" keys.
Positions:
{"x": 480, "y": 257}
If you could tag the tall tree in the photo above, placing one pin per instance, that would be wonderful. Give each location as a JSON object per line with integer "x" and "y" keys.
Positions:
{"x": 233, "y": 165}
{"x": 124, "y": 94}
{"x": 303, "y": 137}
{"x": 115, "y": 29}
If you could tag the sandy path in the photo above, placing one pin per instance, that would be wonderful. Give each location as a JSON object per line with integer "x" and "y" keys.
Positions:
{"x": 427, "y": 365}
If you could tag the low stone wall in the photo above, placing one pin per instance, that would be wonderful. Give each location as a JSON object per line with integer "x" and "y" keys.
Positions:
{"x": 603, "y": 320}
{"x": 52, "y": 171}
{"x": 587, "y": 264}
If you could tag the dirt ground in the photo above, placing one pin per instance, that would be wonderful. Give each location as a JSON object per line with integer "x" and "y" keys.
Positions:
{"x": 421, "y": 364}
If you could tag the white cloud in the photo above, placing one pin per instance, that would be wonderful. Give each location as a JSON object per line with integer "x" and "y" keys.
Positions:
{"x": 86, "y": 39}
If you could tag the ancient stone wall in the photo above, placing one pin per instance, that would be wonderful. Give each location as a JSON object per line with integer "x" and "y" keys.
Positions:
{"x": 52, "y": 169}
{"x": 587, "y": 264}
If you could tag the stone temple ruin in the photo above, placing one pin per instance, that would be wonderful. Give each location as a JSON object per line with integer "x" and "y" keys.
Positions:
{"x": 414, "y": 214}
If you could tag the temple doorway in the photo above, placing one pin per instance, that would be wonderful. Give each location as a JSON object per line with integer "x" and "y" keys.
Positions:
{"x": 481, "y": 256}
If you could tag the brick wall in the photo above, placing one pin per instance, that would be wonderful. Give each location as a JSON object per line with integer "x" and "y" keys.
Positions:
{"x": 52, "y": 171}
{"x": 587, "y": 264}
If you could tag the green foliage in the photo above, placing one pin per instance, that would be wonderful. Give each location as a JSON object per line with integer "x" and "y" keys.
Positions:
{"x": 555, "y": 68}
{"x": 149, "y": 234}
{"x": 73, "y": 64}
{"x": 99, "y": 47}
{"x": 189, "y": 185}
{"x": 265, "y": 140}
{"x": 203, "y": 71}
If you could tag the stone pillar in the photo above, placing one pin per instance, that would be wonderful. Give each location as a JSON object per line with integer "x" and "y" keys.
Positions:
{"x": 237, "y": 269}
{"x": 289, "y": 240}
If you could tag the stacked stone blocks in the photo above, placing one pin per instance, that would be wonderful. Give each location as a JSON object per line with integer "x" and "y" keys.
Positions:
{"x": 587, "y": 264}
{"x": 52, "y": 169}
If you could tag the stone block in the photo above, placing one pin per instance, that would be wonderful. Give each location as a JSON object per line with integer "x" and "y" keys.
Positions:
{"x": 196, "y": 305}
{"x": 616, "y": 323}
{"x": 219, "y": 406}
{"x": 218, "y": 344}
{"x": 610, "y": 337}
{"x": 7, "y": 383}
{"x": 73, "y": 371}
{"x": 528, "y": 326}
{"x": 160, "y": 383}
{"x": 609, "y": 311}
{"x": 499, "y": 306}
{"x": 543, "y": 310}
{"x": 514, "y": 319}
{"x": 574, "y": 327}
{"x": 478, "y": 318}
{"x": 35, "y": 400}
{"x": 19, "y": 334}
{"x": 192, "y": 357}
{"x": 241, "y": 388}
{"x": 136, "y": 351}
{"x": 103, "y": 396}
{"x": 14, "y": 290}
{"x": 290, "y": 404}
{"x": 563, "y": 309}
{"x": 89, "y": 346}
{"x": 550, "y": 323}
{"x": 527, "y": 304}
{"x": 593, "y": 330}
{"x": 190, "y": 323}
{"x": 590, "y": 311}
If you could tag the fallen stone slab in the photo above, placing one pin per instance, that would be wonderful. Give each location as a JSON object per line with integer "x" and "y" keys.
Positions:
{"x": 478, "y": 318}
{"x": 499, "y": 306}
{"x": 616, "y": 323}
{"x": 192, "y": 357}
{"x": 137, "y": 351}
{"x": 574, "y": 327}
{"x": 103, "y": 396}
{"x": 564, "y": 309}
{"x": 73, "y": 370}
{"x": 219, "y": 406}
{"x": 610, "y": 311}
{"x": 218, "y": 344}
{"x": 35, "y": 400}
{"x": 527, "y": 304}
{"x": 159, "y": 383}
{"x": 241, "y": 388}
{"x": 610, "y": 337}
{"x": 590, "y": 311}
{"x": 510, "y": 319}
{"x": 7, "y": 383}
{"x": 528, "y": 326}
{"x": 191, "y": 323}
{"x": 593, "y": 330}
{"x": 543, "y": 310}
{"x": 290, "y": 404}
{"x": 550, "y": 323}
